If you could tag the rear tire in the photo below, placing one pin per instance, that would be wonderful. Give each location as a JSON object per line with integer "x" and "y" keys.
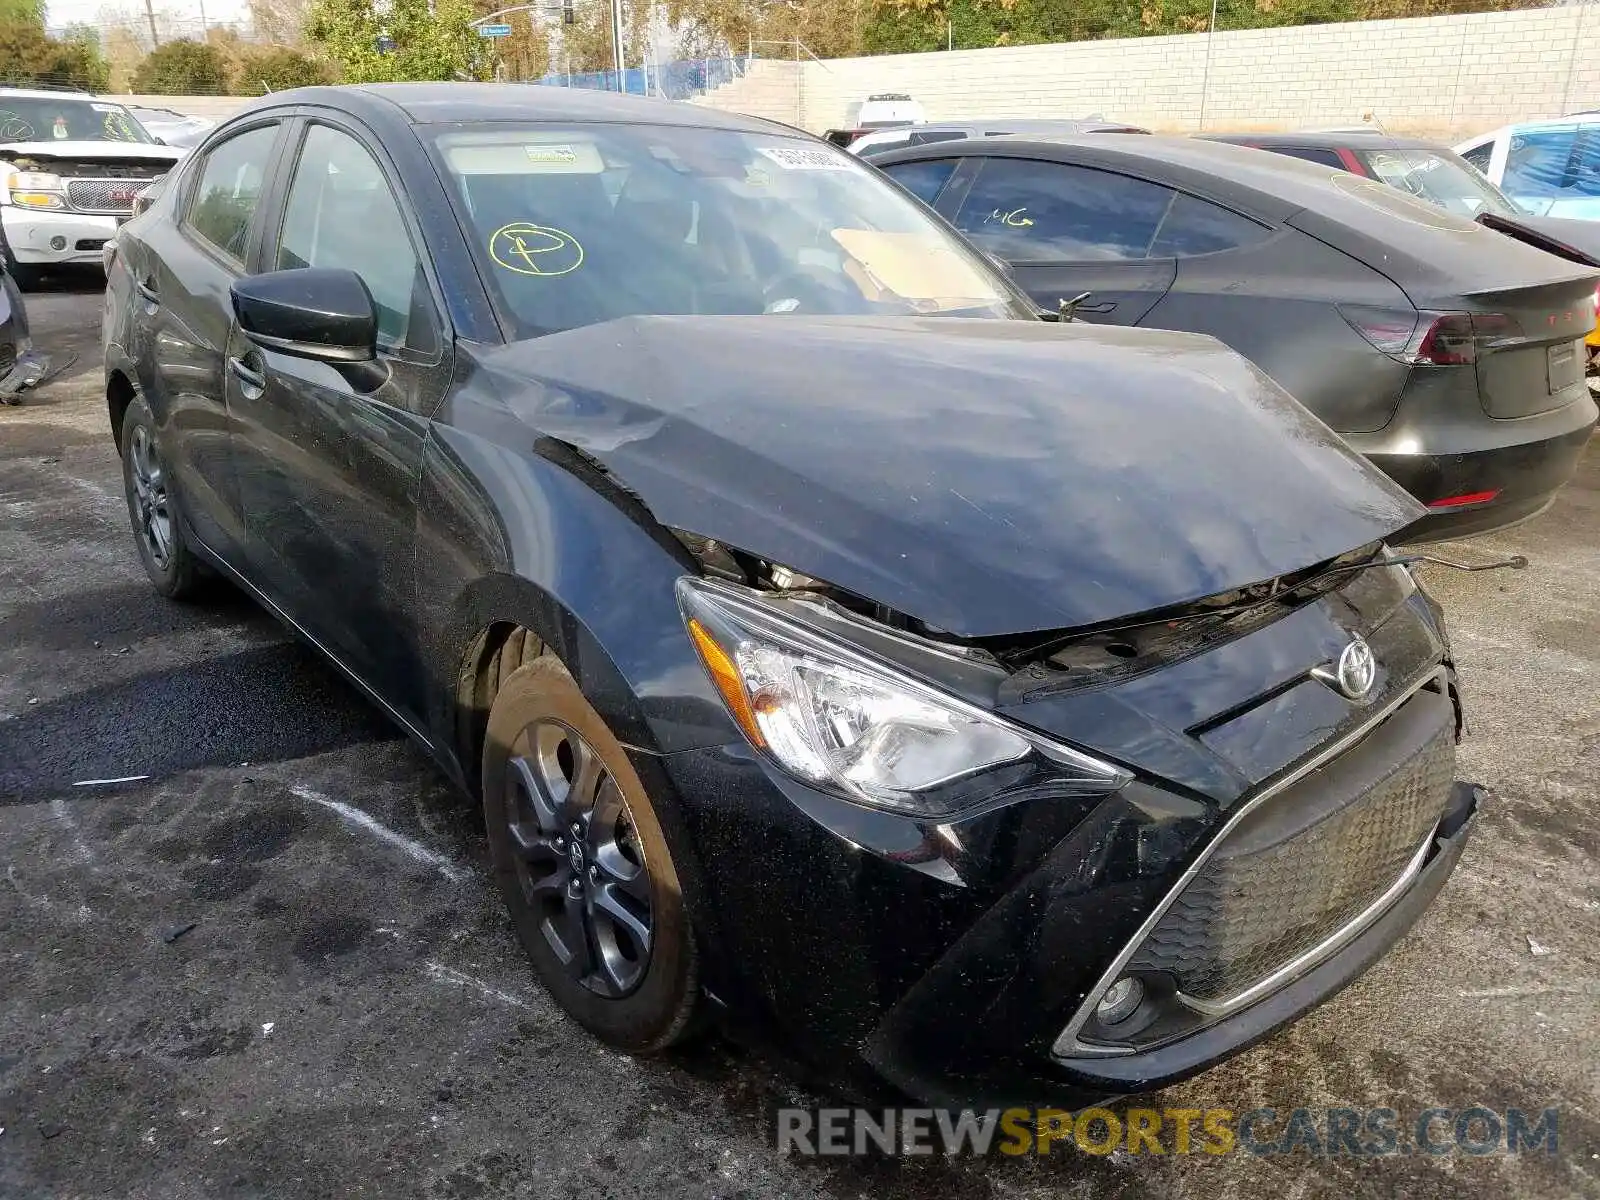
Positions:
{"x": 583, "y": 865}
{"x": 158, "y": 530}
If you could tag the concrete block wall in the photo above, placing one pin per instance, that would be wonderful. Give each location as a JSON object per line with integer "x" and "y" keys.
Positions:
{"x": 1446, "y": 77}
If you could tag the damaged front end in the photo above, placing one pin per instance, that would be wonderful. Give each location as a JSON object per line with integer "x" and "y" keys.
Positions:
{"x": 1195, "y": 835}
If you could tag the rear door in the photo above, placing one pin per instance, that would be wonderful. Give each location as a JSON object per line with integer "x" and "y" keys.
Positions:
{"x": 1068, "y": 230}
{"x": 329, "y": 459}
{"x": 182, "y": 270}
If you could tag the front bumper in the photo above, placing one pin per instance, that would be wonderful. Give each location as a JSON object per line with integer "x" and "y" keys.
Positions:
{"x": 943, "y": 962}
{"x": 33, "y": 235}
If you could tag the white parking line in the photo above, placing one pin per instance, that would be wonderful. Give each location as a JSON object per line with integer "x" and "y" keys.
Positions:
{"x": 415, "y": 850}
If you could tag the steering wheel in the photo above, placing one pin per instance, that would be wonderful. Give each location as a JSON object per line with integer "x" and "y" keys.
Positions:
{"x": 806, "y": 289}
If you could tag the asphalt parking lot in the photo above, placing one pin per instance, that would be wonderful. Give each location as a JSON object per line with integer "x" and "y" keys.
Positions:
{"x": 275, "y": 967}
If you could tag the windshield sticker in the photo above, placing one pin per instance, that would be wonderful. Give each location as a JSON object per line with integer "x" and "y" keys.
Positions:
{"x": 530, "y": 249}
{"x": 551, "y": 154}
{"x": 525, "y": 158}
{"x": 796, "y": 158}
{"x": 106, "y": 108}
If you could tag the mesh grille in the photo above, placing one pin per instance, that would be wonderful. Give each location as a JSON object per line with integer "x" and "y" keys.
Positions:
{"x": 104, "y": 195}
{"x": 1246, "y": 914}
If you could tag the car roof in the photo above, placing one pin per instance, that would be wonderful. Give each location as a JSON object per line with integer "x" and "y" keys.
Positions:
{"x": 1578, "y": 118}
{"x": 435, "y": 103}
{"x": 46, "y": 93}
{"x": 1272, "y": 186}
{"x": 1352, "y": 139}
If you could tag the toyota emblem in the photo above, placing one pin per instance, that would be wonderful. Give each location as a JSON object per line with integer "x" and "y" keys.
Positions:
{"x": 1355, "y": 671}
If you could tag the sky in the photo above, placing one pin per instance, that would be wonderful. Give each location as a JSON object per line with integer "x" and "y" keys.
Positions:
{"x": 95, "y": 12}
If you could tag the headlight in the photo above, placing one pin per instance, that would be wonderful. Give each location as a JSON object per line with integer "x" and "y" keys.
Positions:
{"x": 847, "y": 722}
{"x": 35, "y": 189}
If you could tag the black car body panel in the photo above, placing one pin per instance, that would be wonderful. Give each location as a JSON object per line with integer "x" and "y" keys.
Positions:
{"x": 1321, "y": 247}
{"x": 993, "y": 495}
{"x": 984, "y": 477}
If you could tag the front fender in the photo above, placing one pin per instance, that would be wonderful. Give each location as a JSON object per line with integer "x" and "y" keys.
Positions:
{"x": 507, "y": 536}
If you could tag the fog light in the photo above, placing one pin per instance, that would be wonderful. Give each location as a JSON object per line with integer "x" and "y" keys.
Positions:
{"x": 58, "y": 243}
{"x": 1121, "y": 998}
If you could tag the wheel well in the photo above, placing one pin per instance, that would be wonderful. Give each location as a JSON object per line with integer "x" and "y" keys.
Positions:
{"x": 493, "y": 655}
{"x": 119, "y": 394}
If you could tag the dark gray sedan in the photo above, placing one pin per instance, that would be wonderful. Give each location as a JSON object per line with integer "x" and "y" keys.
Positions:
{"x": 1449, "y": 355}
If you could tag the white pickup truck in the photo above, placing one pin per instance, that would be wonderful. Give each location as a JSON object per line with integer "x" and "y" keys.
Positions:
{"x": 71, "y": 165}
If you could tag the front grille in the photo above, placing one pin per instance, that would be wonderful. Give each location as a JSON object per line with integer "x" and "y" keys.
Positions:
{"x": 1308, "y": 862}
{"x": 113, "y": 197}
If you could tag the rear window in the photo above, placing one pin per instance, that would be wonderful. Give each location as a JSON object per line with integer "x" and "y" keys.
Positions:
{"x": 1029, "y": 211}
{"x": 1194, "y": 226}
{"x": 924, "y": 180}
{"x": 1322, "y": 157}
{"x": 1439, "y": 179}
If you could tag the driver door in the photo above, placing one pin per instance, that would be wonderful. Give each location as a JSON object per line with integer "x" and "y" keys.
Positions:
{"x": 329, "y": 458}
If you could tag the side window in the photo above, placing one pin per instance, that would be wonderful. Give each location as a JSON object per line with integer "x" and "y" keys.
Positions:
{"x": 228, "y": 190}
{"x": 924, "y": 180}
{"x": 1029, "y": 211}
{"x": 1315, "y": 154}
{"x": 1541, "y": 164}
{"x": 341, "y": 213}
{"x": 1194, "y": 226}
{"x": 1479, "y": 156}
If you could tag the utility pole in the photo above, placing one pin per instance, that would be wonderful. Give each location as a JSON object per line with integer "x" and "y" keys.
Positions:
{"x": 205, "y": 30}
{"x": 150, "y": 15}
{"x": 616, "y": 42}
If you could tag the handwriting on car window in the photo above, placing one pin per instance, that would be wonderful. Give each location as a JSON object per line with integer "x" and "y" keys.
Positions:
{"x": 1016, "y": 218}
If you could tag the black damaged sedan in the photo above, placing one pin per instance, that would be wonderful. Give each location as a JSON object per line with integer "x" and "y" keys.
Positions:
{"x": 974, "y": 709}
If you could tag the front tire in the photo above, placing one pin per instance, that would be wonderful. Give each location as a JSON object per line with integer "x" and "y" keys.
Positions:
{"x": 157, "y": 527}
{"x": 583, "y": 865}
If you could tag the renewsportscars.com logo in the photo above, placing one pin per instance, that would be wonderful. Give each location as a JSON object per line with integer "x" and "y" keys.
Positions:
{"x": 1322, "y": 1132}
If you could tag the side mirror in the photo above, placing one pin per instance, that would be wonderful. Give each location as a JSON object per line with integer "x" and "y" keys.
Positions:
{"x": 312, "y": 312}
{"x": 143, "y": 201}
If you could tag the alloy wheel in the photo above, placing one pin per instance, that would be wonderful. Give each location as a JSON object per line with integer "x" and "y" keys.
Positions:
{"x": 579, "y": 859}
{"x": 151, "y": 510}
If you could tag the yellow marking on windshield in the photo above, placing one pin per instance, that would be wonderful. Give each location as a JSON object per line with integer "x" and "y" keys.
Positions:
{"x": 530, "y": 249}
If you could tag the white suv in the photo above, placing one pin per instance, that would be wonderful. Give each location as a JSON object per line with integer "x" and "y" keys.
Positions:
{"x": 71, "y": 166}
{"x": 1550, "y": 168}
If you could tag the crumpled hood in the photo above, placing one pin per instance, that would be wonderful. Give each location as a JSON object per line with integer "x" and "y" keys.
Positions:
{"x": 91, "y": 150}
{"x": 987, "y": 477}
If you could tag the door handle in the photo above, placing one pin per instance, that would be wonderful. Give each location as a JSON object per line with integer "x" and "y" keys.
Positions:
{"x": 1104, "y": 306}
{"x": 248, "y": 376}
{"x": 146, "y": 288}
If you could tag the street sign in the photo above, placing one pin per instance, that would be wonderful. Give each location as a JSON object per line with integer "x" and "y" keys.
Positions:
{"x": 494, "y": 31}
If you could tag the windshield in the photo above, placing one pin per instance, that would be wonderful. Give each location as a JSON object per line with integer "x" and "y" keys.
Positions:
{"x": 574, "y": 226}
{"x": 1440, "y": 179}
{"x": 67, "y": 119}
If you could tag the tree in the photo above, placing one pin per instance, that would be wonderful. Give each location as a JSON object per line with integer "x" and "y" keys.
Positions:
{"x": 22, "y": 12}
{"x": 436, "y": 43}
{"x": 277, "y": 69}
{"x": 280, "y": 22}
{"x": 28, "y": 56}
{"x": 182, "y": 68}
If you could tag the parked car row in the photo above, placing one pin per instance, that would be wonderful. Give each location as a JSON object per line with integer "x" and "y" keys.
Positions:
{"x": 979, "y": 707}
{"x": 1450, "y": 355}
